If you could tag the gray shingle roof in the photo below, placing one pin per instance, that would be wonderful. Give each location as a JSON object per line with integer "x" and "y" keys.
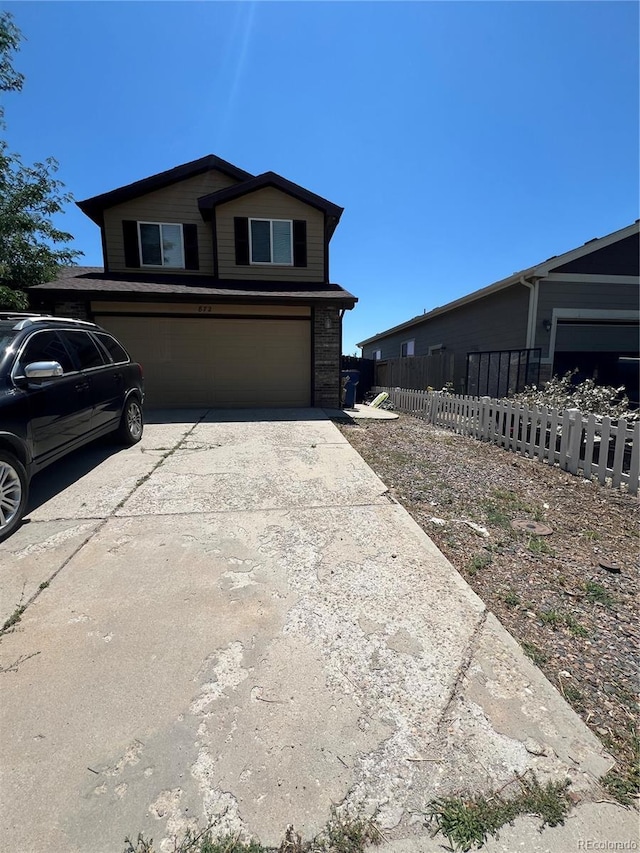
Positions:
{"x": 93, "y": 281}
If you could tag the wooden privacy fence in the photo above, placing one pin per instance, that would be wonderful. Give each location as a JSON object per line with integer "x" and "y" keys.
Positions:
{"x": 417, "y": 372}
{"x": 591, "y": 446}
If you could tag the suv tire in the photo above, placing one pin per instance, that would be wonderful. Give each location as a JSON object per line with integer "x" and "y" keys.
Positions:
{"x": 131, "y": 423}
{"x": 14, "y": 493}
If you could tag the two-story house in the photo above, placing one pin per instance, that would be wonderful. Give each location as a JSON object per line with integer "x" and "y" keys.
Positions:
{"x": 217, "y": 281}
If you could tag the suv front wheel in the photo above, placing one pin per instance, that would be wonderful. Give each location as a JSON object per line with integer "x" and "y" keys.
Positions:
{"x": 14, "y": 490}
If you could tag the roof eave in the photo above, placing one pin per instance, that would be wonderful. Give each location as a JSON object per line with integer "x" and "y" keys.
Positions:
{"x": 93, "y": 207}
{"x": 269, "y": 179}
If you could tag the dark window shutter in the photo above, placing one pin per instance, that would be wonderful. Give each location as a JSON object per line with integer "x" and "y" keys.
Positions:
{"x": 191, "y": 259}
{"x": 299, "y": 243}
{"x": 241, "y": 228}
{"x": 130, "y": 235}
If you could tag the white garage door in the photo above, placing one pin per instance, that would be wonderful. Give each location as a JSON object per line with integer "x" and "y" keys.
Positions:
{"x": 229, "y": 363}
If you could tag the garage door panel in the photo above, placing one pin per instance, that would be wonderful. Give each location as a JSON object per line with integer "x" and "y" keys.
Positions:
{"x": 219, "y": 362}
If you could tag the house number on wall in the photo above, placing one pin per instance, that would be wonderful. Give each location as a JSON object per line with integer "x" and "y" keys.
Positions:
{"x": 205, "y": 309}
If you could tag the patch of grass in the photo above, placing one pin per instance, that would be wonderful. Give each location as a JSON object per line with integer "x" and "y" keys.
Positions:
{"x": 14, "y": 618}
{"x": 533, "y": 652}
{"x": 552, "y": 618}
{"x": 576, "y": 628}
{"x": 478, "y": 562}
{"x": 571, "y": 693}
{"x": 591, "y": 535}
{"x": 624, "y": 783}
{"x": 496, "y": 515}
{"x": 468, "y": 821}
{"x": 511, "y": 598}
{"x": 555, "y": 619}
{"x": 511, "y": 499}
{"x": 597, "y": 594}
{"x": 539, "y": 545}
{"x": 342, "y": 834}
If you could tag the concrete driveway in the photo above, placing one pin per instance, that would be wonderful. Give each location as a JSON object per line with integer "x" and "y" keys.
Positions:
{"x": 233, "y": 622}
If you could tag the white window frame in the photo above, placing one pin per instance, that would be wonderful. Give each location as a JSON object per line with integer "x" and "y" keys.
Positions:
{"x": 270, "y": 263}
{"x": 162, "y": 265}
{"x": 377, "y": 355}
{"x": 436, "y": 349}
{"x": 408, "y": 354}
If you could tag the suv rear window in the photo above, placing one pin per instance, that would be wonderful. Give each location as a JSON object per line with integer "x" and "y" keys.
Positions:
{"x": 112, "y": 346}
{"x": 84, "y": 350}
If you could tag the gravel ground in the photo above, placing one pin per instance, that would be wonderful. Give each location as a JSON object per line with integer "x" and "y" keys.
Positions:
{"x": 568, "y": 597}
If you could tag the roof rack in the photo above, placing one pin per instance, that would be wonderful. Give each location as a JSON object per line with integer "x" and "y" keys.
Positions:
{"x": 25, "y": 320}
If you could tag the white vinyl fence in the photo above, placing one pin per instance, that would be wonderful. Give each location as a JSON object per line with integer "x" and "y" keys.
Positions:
{"x": 581, "y": 444}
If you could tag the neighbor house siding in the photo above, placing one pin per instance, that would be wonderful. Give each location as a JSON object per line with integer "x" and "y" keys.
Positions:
{"x": 581, "y": 295}
{"x": 176, "y": 203}
{"x": 497, "y": 322}
{"x": 269, "y": 203}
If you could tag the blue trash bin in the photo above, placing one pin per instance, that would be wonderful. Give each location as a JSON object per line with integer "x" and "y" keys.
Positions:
{"x": 350, "y": 379}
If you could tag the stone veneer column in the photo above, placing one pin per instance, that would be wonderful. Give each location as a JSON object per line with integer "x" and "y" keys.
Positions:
{"x": 327, "y": 341}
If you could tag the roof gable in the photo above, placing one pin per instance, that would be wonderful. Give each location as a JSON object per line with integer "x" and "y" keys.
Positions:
{"x": 270, "y": 179}
{"x": 94, "y": 207}
{"x": 619, "y": 258}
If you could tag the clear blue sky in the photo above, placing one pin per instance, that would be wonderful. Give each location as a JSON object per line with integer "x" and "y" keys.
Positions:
{"x": 464, "y": 140}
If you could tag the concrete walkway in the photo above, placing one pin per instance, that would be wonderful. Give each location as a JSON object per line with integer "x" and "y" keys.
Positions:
{"x": 237, "y": 624}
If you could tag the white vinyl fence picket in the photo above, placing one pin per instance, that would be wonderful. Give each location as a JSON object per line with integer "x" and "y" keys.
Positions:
{"x": 582, "y": 444}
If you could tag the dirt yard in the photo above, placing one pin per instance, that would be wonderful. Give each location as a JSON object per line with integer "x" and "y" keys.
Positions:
{"x": 568, "y": 597}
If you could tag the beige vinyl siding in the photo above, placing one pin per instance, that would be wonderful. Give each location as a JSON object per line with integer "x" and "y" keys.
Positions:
{"x": 226, "y": 363}
{"x": 270, "y": 203}
{"x": 192, "y": 308}
{"x": 177, "y": 203}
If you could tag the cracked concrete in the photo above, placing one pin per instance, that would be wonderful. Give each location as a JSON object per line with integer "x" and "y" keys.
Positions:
{"x": 241, "y": 627}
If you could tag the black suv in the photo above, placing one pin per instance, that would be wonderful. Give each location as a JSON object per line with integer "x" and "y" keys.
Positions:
{"x": 63, "y": 383}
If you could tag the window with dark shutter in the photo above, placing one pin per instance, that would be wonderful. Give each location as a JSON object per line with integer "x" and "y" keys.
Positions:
{"x": 191, "y": 258}
{"x": 241, "y": 230}
{"x": 130, "y": 239}
{"x": 299, "y": 243}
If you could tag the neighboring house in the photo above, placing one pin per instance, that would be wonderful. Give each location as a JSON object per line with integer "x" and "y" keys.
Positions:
{"x": 218, "y": 284}
{"x": 580, "y": 309}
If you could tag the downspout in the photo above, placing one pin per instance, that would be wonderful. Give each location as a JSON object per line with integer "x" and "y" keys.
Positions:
{"x": 533, "y": 310}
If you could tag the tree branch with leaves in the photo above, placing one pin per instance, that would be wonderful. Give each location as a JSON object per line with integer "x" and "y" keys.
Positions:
{"x": 32, "y": 248}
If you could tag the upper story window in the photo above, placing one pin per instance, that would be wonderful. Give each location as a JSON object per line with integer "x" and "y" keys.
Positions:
{"x": 271, "y": 241}
{"x": 281, "y": 242}
{"x": 377, "y": 354}
{"x": 407, "y": 348}
{"x": 161, "y": 245}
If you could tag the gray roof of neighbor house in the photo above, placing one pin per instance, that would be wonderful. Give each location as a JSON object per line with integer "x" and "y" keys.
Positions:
{"x": 94, "y": 282}
{"x": 539, "y": 270}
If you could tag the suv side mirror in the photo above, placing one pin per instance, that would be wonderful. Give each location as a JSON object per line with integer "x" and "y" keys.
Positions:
{"x": 43, "y": 370}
